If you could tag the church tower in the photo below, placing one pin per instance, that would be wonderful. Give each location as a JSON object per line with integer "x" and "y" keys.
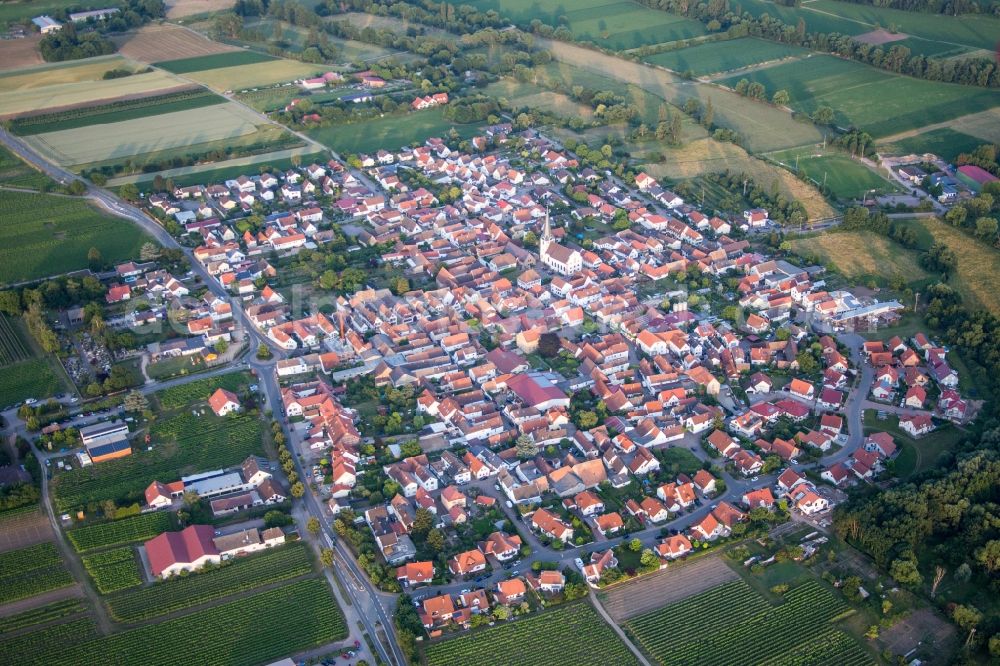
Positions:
{"x": 546, "y": 239}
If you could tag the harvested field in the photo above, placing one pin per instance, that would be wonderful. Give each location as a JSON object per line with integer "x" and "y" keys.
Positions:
{"x": 879, "y": 37}
{"x": 52, "y": 74}
{"x": 984, "y": 125}
{"x": 180, "y": 8}
{"x": 676, "y": 582}
{"x": 154, "y": 43}
{"x": 147, "y": 135}
{"x": 709, "y": 156}
{"x": 24, "y": 528}
{"x": 862, "y": 256}
{"x": 18, "y": 53}
{"x": 763, "y": 127}
{"x": 255, "y": 75}
{"x": 33, "y": 98}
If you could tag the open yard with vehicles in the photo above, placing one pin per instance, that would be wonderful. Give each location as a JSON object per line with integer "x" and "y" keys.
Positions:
{"x": 847, "y": 179}
{"x": 748, "y": 629}
{"x": 569, "y": 634}
{"x": 34, "y": 246}
{"x": 611, "y": 25}
{"x": 879, "y": 102}
{"x": 156, "y": 43}
{"x": 31, "y": 571}
{"x": 61, "y": 85}
{"x": 715, "y": 57}
{"x": 390, "y": 132}
{"x": 762, "y": 126}
{"x": 298, "y": 616}
{"x": 151, "y": 134}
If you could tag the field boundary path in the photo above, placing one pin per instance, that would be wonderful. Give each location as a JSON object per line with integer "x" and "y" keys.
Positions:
{"x": 595, "y": 602}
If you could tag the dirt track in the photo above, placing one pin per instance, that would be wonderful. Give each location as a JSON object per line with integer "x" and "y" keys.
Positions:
{"x": 676, "y": 582}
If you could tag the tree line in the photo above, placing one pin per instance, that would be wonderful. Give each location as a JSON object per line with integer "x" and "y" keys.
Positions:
{"x": 947, "y": 7}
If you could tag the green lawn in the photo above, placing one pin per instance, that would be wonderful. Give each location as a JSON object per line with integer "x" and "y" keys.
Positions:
{"x": 846, "y": 178}
{"x": 715, "y": 57}
{"x": 42, "y": 234}
{"x": 876, "y": 101}
{"x": 915, "y": 455}
{"x": 390, "y": 132}
{"x": 944, "y": 142}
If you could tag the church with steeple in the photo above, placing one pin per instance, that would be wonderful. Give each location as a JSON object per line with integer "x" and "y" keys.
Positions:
{"x": 556, "y": 257}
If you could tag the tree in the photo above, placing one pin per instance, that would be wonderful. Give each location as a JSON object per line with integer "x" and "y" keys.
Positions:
{"x": 298, "y": 490}
{"x": 501, "y": 613}
{"x": 708, "y": 115}
{"x": 548, "y": 345}
{"x": 939, "y": 572}
{"x": 649, "y": 559}
{"x": 986, "y": 229}
{"x": 807, "y": 362}
{"x": 326, "y": 557}
{"x": 313, "y": 525}
{"x": 525, "y": 447}
{"x": 967, "y": 617}
{"x": 781, "y": 98}
{"x": 263, "y": 352}
{"x": 435, "y": 540}
{"x": 823, "y": 116}
{"x": 905, "y": 572}
{"x": 94, "y": 259}
{"x": 190, "y": 498}
{"x": 635, "y": 545}
{"x": 136, "y": 402}
{"x": 423, "y": 521}
{"x": 277, "y": 519}
{"x": 149, "y": 251}
{"x": 530, "y": 240}
{"x": 989, "y": 556}
{"x": 129, "y": 192}
{"x": 586, "y": 420}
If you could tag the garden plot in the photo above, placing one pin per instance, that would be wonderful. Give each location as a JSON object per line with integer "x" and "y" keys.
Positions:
{"x": 146, "y": 135}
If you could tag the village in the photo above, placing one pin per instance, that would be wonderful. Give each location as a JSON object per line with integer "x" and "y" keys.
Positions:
{"x": 568, "y": 383}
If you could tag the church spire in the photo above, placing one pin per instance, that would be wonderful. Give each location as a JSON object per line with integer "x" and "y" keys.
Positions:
{"x": 547, "y": 228}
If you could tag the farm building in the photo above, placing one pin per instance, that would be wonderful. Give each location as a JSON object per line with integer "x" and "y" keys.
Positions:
{"x": 46, "y": 24}
{"x": 975, "y": 177}
{"x": 106, "y": 441}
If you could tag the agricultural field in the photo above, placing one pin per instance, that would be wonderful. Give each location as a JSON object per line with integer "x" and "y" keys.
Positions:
{"x": 220, "y": 171}
{"x": 977, "y": 276}
{"x": 22, "y": 373}
{"x": 762, "y": 126}
{"x": 23, "y": 527}
{"x": 114, "y": 570}
{"x": 571, "y": 634}
{"x": 616, "y": 25}
{"x": 33, "y": 246}
{"x": 180, "y": 8}
{"x": 80, "y": 82}
{"x": 198, "y": 392}
{"x": 390, "y": 132}
{"x": 157, "y": 43}
{"x": 16, "y": 173}
{"x": 120, "y": 532}
{"x": 148, "y": 134}
{"x": 241, "y": 575}
{"x": 394, "y": 23}
{"x": 649, "y": 592}
{"x": 299, "y": 616}
{"x": 202, "y": 62}
{"x": 31, "y": 571}
{"x": 348, "y": 50}
{"x": 862, "y": 256}
{"x": 527, "y": 94}
{"x": 101, "y": 114}
{"x": 847, "y": 179}
{"x": 48, "y": 613}
{"x": 182, "y": 444}
{"x": 55, "y": 637}
{"x": 879, "y": 102}
{"x": 928, "y": 34}
{"x": 747, "y": 629}
{"x": 13, "y": 348}
{"x": 715, "y": 57}
{"x": 18, "y": 53}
